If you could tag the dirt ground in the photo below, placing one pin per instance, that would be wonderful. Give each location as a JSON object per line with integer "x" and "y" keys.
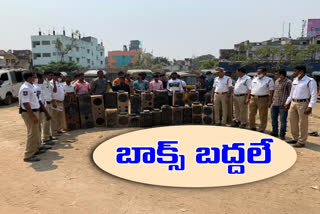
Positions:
{"x": 67, "y": 181}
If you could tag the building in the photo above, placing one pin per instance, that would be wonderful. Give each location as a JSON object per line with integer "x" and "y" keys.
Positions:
{"x": 120, "y": 59}
{"x": 134, "y": 45}
{"x": 9, "y": 59}
{"x": 87, "y": 53}
{"x": 313, "y": 28}
{"x": 24, "y": 58}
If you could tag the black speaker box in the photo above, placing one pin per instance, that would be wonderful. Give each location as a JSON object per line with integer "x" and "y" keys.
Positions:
{"x": 110, "y": 100}
{"x": 71, "y": 108}
{"x": 134, "y": 120}
{"x": 178, "y": 98}
{"x": 156, "y": 117}
{"x": 208, "y": 114}
{"x": 177, "y": 115}
{"x": 146, "y": 118}
{"x": 160, "y": 98}
{"x": 111, "y": 117}
{"x": 207, "y": 98}
{"x": 85, "y": 110}
{"x": 123, "y": 101}
{"x": 197, "y": 113}
{"x": 187, "y": 115}
{"x": 98, "y": 111}
{"x": 135, "y": 101}
{"x": 193, "y": 97}
{"x": 123, "y": 120}
{"x": 147, "y": 100}
{"x": 166, "y": 115}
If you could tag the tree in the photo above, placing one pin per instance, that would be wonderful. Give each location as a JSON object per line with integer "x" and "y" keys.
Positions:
{"x": 62, "y": 50}
{"x": 313, "y": 50}
{"x": 209, "y": 64}
{"x": 60, "y": 66}
{"x": 198, "y": 61}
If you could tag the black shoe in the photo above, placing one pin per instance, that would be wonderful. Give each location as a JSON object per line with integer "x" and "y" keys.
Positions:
{"x": 45, "y": 147}
{"x": 291, "y": 141}
{"x": 282, "y": 137}
{"x": 218, "y": 124}
{"x": 253, "y": 129}
{"x": 235, "y": 124}
{"x": 274, "y": 134}
{"x": 32, "y": 159}
{"x": 299, "y": 145}
{"x": 50, "y": 143}
{"x": 40, "y": 152}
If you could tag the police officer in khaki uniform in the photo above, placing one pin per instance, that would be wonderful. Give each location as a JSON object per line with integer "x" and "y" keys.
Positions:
{"x": 30, "y": 109}
{"x": 303, "y": 97}
{"x": 262, "y": 89}
{"x": 220, "y": 96}
{"x": 241, "y": 93}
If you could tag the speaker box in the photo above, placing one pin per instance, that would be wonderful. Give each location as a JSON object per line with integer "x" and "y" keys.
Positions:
{"x": 207, "y": 98}
{"x": 146, "y": 118}
{"x": 71, "y": 108}
{"x": 166, "y": 115}
{"x": 160, "y": 98}
{"x": 187, "y": 115}
{"x": 147, "y": 100}
{"x": 197, "y": 113}
{"x": 134, "y": 120}
{"x": 135, "y": 102}
{"x": 99, "y": 117}
{"x": 123, "y": 101}
{"x": 193, "y": 97}
{"x": 123, "y": 120}
{"x": 178, "y": 98}
{"x": 177, "y": 115}
{"x": 208, "y": 114}
{"x": 85, "y": 110}
{"x": 110, "y": 100}
{"x": 156, "y": 117}
{"x": 111, "y": 117}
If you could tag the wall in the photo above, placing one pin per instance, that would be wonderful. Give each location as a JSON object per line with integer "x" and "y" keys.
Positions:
{"x": 120, "y": 59}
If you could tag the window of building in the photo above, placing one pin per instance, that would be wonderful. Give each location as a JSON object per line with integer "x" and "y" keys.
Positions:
{"x": 36, "y": 55}
{"x": 35, "y": 43}
{"x": 92, "y": 62}
{"x": 77, "y": 49}
{"x": 91, "y": 53}
{"x": 45, "y": 42}
{"x": 101, "y": 62}
{"x": 88, "y": 60}
{"x": 88, "y": 51}
{"x": 78, "y": 59}
{"x": 100, "y": 53}
{"x": 70, "y": 59}
{"x": 13, "y": 61}
{"x": 54, "y": 54}
{"x": 46, "y": 55}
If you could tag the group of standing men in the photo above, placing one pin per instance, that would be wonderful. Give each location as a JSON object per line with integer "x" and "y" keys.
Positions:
{"x": 261, "y": 93}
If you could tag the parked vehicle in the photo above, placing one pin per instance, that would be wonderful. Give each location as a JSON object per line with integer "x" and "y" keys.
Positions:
{"x": 10, "y": 82}
{"x": 134, "y": 73}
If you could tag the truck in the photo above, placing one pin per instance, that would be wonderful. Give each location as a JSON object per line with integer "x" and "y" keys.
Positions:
{"x": 10, "y": 83}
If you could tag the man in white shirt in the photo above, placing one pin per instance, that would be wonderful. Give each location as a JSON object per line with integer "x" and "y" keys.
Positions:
{"x": 221, "y": 93}
{"x": 241, "y": 93}
{"x": 67, "y": 86}
{"x": 173, "y": 84}
{"x": 262, "y": 88}
{"x": 303, "y": 97}
{"x": 57, "y": 104}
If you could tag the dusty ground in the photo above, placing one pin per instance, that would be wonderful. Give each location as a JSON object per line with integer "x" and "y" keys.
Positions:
{"x": 67, "y": 181}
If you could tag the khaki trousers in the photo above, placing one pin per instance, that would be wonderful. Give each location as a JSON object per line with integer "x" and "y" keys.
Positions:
{"x": 230, "y": 110}
{"x": 33, "y": 135}
{"x": 56, "y": 122}
{"x": 46, "y": 125}
{"x": 299, "y": 121}
{"x": 221, "y": 100}
{"x": 241, "y": 109}
{"x": 260, "y": 104}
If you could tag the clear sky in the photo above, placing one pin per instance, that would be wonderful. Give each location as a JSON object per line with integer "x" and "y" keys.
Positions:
{"x": 171, "y": 28}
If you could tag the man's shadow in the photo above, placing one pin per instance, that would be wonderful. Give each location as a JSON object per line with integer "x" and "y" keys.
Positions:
{"x": 46, "y": 162}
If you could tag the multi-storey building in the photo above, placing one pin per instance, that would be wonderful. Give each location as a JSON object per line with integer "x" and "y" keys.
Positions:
{"x": 87, "y": 53}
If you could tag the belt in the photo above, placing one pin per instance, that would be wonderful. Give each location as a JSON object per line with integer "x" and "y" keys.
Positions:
{"x": 300, "y": 100}
{"x": 58, "y": 101}
{"x": 221, "y": 92}
{"x": 259, "y": 96}
{"x": 240, "y": 95}
{"x": 33, "y": 110}
{"x": 48, "y": 102}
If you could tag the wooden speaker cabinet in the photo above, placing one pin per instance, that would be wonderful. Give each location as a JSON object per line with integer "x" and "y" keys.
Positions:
{"x": 166, "y": 115}
{"x": 187, "y": 115}
{"x": 156, "y": 117}
{"x": 178, "y": 98}
{"x": 71, "y": 108}
{"x": 135, "y": 102}
{"x": 134, "y": 120}
{"x": 147, "y": 100}
{"x": 123, "y": 101}
{"x": 98, "y": 111}
{"x": 146, "y": 118}
{"x": 207, "y": 98}
{"x": 85, "y": 110}
{"x": 111, "y": 117}
{"x": 110, "y": 100}
{"x": 123, "y": 120}
{"x": 193, "y": 97}
{"x": 160, "y": 98}
{"x": 197, "y": 113}
{"x": 177, "y": 115}
{"x": 208, "y": 114}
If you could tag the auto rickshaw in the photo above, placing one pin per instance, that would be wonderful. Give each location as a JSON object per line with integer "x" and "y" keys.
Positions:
{"x": 316, "y": 76}
{"x": 92, "y": 74}
{"x": 134, "y": 73}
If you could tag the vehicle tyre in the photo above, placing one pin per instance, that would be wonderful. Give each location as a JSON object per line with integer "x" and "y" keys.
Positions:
{"x": 8, "y": 99}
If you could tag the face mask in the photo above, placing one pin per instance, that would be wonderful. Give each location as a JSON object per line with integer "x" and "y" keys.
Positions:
{"x": 260, "y": 75}
{"x": 35, "y": 81}
{"x": 59, "y": 79}
{"x": 299, "y": 75}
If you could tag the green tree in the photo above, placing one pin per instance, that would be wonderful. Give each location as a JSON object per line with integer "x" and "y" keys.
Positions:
{"x": 209, "y": 64}
{"x": 63, "y": 50}
{"x": 60, "y": 66}
{"x": 313, "y": 50}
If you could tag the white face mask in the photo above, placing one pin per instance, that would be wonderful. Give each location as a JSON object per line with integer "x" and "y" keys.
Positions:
{"x": 59, "y": 79}
{"x": 260, "y": 75}
{"x": 35, "y": 81}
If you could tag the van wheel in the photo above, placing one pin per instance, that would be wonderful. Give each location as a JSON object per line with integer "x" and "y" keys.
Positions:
{"x": 8, "y": 99}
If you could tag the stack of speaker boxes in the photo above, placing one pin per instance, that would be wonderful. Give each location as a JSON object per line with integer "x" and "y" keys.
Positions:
{"x": 85, "y": 111}
{"x": 196, "y": 113}
{"x": 156, "y": 117}
{"x": 123, "y": 120}
{"x": 160, "y": 98}
{"x": 111, "y": 117}
{"x": 146, "y": 118}
{"x": 208, "y": 114}
{"x": 135, "y": 102}
{"x": 193, "y": 97}
{"x": 178, "y": 98}
{"x": 147, "y": 100}
{"x": 71, "y": 107}
{"x": 187, "y": 115}
{"x": 166, "y": 115}
{"x": 98, "y": 111}
{"x": 134, "y": 120}
{"x": 177, "y": 115}
{"x": 110, "y": 100}
{"x": 123, "y": 101}
{"x": 207, "y": 98}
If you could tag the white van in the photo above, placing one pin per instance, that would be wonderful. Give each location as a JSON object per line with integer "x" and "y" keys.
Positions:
{"x": 10, "y": 82}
